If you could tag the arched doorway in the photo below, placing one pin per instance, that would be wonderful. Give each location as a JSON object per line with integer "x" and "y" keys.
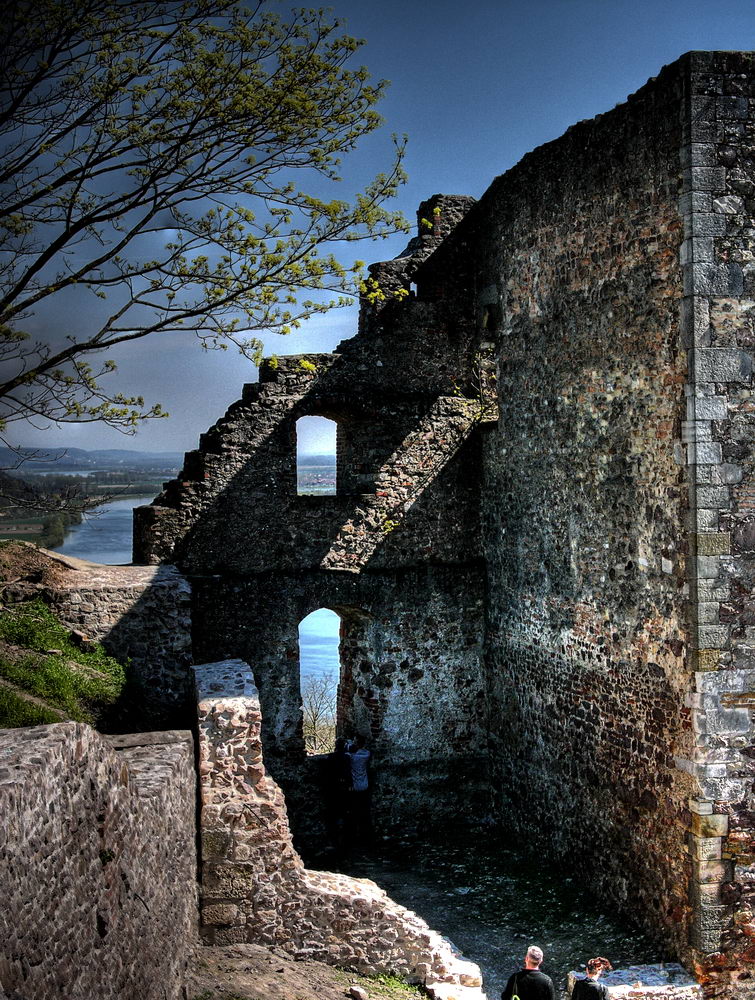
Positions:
{"x": 319, "y": 674}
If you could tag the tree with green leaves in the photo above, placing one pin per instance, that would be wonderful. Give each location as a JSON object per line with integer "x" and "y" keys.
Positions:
{"x": 169, "y": 160}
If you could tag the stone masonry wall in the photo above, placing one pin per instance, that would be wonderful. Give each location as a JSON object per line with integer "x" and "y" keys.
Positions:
{"x": 612, "y": 268}
{"x": 411, "y": 680}
{"x": 98, "y": 874}
{"x": 718, "y": 257}
{"x": 575, "y": 257}
{"x": 254, "y": 885}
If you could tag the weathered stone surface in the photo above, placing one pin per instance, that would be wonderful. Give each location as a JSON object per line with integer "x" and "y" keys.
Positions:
{"x": 141, "y": 614}
{"x": 98, "y": 874}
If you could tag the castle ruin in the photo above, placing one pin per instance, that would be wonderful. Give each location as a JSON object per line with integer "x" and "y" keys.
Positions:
{"x": 542, "y": 542}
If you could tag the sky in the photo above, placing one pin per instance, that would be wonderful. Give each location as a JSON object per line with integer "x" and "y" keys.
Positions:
{"x": 474, "y": 86}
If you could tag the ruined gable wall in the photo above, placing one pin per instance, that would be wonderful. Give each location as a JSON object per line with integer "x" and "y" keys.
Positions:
{"x": 98, "y": 874}
{"x": 585, "y": 503}
{"x": 396, "y": 552}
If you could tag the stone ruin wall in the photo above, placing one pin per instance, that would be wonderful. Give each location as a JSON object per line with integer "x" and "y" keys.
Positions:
{"x": 254, "y": 887}
{"x": 410, "y": 677}
{"x": 613, "y": 268}
{"x": 98, "y": 878}
{"x": 396, "y": 553}
{"x": 613, "y": 277}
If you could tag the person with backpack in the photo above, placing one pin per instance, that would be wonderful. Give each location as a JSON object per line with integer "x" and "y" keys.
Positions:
{"x": 530, "y": 983}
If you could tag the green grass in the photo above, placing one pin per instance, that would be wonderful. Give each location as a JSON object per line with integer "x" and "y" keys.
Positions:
{"x": 80, "y": 683}
{"x": 15, "y": 713}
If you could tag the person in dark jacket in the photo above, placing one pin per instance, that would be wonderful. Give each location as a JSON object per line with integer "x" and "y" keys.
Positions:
{"x": 530, "y": 983}
{"x": 589, "y": 988}
{"x": 336, "y": 785}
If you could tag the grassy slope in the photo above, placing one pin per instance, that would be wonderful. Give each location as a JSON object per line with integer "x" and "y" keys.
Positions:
{"x": 38, "y": 656}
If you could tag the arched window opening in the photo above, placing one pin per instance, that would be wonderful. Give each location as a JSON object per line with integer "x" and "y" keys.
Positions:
{"x": 319, "y": 672}
{"x": 316, "y": 456}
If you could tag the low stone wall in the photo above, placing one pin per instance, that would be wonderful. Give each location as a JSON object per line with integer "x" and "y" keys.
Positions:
{"x": 141, "y": 614}
{"x": 254, "y": 886}
{"x": 98, "y": 874}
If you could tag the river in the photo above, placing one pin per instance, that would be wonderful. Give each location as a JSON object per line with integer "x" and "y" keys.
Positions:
{"x": 104, "y": 536}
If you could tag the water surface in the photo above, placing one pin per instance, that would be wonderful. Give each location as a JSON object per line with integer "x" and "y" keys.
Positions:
{"x": 104, "y": 536}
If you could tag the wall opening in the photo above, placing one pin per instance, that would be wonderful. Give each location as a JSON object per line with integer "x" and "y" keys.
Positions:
{"x": 319, "y": 673}
{"x": 316, "y": 466}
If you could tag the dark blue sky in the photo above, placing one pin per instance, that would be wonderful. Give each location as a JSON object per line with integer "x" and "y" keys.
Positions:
{"x": 475, "y": 86}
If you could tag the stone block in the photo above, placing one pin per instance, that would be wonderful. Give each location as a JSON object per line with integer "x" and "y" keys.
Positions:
{"x": 707, "y": 612}
{"x": 707, "y": 178}
{"x": 706, "y": 872}
{"x": 713, "y": 279}
{"x": 722, "y": 364}
{"x": 713, "y": 544}
{"x": 704, "y": 453}
{"x": 713, "y": 636}
{"x": 714, "y": 497}
{"x": 228, "y": 881}
{"x": 710, "y": 408}
{"x": 693, "y": 202}
{"x": 697, "y": 248}
{"x": 706, "y": 224}
{"x": 220, "y": 914}
{"x": 705, "y": 848}
{"x": 710, "y": 825}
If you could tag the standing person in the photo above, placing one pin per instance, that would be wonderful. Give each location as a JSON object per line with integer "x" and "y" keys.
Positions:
{"x": 336, "y": 788}
{"x": 530, "y": 983}
{"x": 360, "y": 790}
{"x": 589, "y": 988}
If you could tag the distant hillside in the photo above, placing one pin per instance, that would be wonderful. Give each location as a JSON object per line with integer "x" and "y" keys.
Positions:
{"x": 62, "y": 459}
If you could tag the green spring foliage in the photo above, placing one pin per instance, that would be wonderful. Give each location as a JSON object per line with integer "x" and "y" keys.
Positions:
{"x": 81, "y": 684}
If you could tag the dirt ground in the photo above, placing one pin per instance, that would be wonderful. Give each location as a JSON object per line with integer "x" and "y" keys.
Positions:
{"x": 250, "y": 972}
{"x": 22, "y": 561}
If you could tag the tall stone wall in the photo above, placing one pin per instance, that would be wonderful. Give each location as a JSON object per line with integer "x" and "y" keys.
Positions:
{"x": 611, "y": 270}
{"x": 396, "y": 552}
{"x": 717, "y": 325}
{"x": 586, "y": 505}
{"x": 98, "y": 874}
